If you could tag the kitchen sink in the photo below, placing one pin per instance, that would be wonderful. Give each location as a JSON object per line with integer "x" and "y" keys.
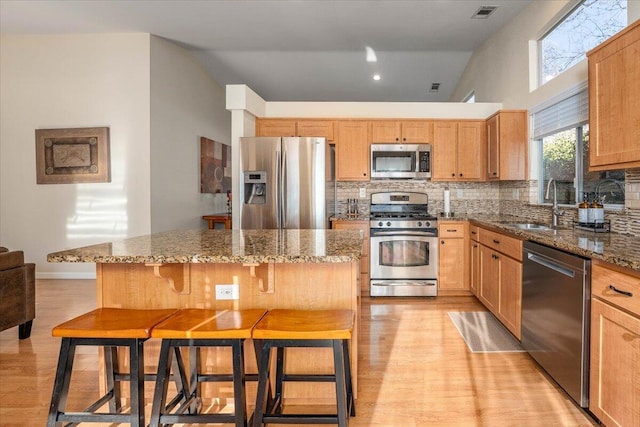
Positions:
{"x": 531, "y": 226}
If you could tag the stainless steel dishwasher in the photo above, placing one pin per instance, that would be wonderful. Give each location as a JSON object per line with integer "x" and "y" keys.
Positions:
{"x": 556, "y": 304}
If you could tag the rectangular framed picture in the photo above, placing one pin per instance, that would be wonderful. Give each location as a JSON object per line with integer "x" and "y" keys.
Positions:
{"x": 75, "y": 155}
{"x": 215, "y": 166}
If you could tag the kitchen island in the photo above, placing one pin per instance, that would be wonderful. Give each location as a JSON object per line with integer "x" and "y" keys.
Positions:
{"x": 234, "y": 269}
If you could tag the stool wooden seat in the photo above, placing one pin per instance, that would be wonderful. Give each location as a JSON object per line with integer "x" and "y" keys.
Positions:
{"x": 282, "y": 329}
{"x": 109, "y": 328}
{"x": 196, "y": 328}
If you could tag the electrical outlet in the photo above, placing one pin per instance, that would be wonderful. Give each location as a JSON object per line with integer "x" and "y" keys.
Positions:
{"x": 459, "y": 193}
{"x": 224, "y": 291}
{"x": 363, "y": 192}
{"x": 515, "y": 194}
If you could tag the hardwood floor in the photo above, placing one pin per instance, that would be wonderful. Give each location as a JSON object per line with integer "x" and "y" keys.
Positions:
{"x": 415, "y": 369}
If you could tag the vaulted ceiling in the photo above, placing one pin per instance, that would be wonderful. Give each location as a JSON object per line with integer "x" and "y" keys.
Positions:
{"x": 296, "y": 50}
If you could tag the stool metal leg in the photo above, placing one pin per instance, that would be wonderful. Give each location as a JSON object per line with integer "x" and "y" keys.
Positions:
{"x": 347, "y": 372}
{"x": 239, "y": 394}
{"x": 136, "y": 383}
{"x": 62, "y": 380}
{"x": 341, "y": 392}
{"x": 263, "y": 379}
{"x": 113, "y": 386}
{"x": 162, "y": 383}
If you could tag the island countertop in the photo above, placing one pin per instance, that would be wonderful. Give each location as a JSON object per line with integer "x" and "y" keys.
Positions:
{"x": 224, "y": 246}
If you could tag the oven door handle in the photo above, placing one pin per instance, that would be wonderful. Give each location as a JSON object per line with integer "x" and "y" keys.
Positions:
{"x": 403, "y": 233}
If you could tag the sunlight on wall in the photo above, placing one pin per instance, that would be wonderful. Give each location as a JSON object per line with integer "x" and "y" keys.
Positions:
{"x": 100, "y": 211}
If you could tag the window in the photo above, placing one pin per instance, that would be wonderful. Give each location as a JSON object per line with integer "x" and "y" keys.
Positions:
{"x": 585, "y": 27}
{"x": 561, "y": 134}
{"x": 470, "y": 98}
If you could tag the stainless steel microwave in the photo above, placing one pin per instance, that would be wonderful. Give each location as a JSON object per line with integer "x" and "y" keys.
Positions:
{"x": 400, "y": 161}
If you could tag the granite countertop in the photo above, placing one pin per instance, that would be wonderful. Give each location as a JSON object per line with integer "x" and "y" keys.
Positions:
{"x": 224, "y": 246}
{"x": 619, "y": 249}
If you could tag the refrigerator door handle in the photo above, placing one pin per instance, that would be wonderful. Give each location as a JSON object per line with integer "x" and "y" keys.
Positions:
{"x": 283, "y": 189}
{"x": 278, "y": 192}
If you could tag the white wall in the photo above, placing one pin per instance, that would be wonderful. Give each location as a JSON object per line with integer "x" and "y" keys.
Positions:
{"x": 501, "y": 69}
{"x": 185, "y": 104}
{"x": 73, "y": 81}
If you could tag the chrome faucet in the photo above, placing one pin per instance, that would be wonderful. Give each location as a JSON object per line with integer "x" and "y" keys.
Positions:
{"x": 555, "y": 211}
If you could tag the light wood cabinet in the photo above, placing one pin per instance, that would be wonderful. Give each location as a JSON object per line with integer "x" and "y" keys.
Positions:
{"x": 292, "y": 127}
{"x": 352, "y": 151}
{"x": 364, "y": 260}
{"x": 275, "y": 127}
{"x": 452, "y": 258}
{"x": 474, "y": 260}
{"x": 614, "y": 101}
{"x": 507, "y": 143}
{"x": 614, "y": 395}
{"x": 500, "y": 273}
{"x": 402, "y": 131}
{"x": 458, "y": 150}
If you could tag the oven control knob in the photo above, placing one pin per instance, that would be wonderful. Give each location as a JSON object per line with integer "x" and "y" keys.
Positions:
{"x": 388, "y": 223}
{"x": 380, "y": 224}
{"x": 419, "y": 223}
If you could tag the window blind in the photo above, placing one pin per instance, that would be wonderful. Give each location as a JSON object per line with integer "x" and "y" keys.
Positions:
{"x": 568, "y": 113}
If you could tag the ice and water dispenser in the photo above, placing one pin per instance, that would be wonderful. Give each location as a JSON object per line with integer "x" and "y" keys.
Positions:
{"x": 255, "y": 187}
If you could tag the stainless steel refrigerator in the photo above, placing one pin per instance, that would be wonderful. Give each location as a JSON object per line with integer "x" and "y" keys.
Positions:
{"x": 284, "y": 183}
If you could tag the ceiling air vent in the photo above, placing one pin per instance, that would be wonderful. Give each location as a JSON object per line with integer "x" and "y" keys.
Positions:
{"x": 434, "y": 87}
{"x": 484, "y": 12}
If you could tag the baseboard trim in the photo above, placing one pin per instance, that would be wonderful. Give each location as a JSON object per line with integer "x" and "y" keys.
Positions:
{"x": 66, "y": 275}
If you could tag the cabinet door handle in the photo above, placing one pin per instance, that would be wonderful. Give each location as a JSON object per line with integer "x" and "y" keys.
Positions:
{"x": 473, "y": 232}
{"x": 475, "y": 246}
{"x": 614, "y": 289}
{"x": 442, "y": 242}
{"x": 494, "y": 256}
{"x": 497, "y": 242}
{"x": 453, "y": 174}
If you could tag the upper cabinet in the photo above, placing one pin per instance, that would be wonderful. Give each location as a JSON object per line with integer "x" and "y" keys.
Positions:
{"x": 352, "y": 150}
{"x": 458, "y": 150}
{"x": 614, "y": 101}
{"x": 402, "y": 131}
{"x": 507, "y": 143}
{"x": 289, "y": 127}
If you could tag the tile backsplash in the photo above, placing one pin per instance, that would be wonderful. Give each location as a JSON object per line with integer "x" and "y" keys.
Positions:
{"x": 507, "y": 197}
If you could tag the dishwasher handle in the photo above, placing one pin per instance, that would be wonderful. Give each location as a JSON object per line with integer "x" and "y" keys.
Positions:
{"x": 551, "y": 265}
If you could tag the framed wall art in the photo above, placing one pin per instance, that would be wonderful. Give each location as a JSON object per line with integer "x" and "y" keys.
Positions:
{"x": 215, "y": 166}
{"x": 69, "y": 156}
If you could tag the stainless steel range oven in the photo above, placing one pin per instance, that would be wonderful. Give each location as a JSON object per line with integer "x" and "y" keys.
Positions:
{"x": 404, "y": 245}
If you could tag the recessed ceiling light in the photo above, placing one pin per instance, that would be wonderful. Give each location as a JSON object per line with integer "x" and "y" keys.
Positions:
{"x": 376, "y": 77}
{"x": 371, "y": 54}
{"x": 484, "y": 12}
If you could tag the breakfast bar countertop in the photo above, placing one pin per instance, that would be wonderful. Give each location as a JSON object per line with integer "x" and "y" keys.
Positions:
{"x": 224, "y": 246}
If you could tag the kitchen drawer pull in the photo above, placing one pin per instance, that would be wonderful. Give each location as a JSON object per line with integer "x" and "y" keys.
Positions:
{"x": 455, "y": 230}
{"x": 614, "y": 289}
{"x": 496, "y": 241}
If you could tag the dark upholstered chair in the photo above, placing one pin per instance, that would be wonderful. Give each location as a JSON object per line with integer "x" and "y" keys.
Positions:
{"x": 17, "y": 292}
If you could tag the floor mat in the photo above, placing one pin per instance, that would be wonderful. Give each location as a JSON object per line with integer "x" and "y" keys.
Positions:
{"x": 483, "y": 333}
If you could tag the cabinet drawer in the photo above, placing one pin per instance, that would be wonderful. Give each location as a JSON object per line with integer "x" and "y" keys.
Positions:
{"x": 450, "y": 229}
{"x": 474, "y": 233}
{"x": 502, "y": 243}
{"x": 601, "y": 280}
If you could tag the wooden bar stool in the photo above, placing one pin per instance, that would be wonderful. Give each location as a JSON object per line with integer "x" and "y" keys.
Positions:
{"x": 282, "y": 329}
{"x": 196, "y": 328}
{"x": 109, "y": 328}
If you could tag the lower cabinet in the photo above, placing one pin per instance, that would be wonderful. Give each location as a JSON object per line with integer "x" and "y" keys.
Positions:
{"x": 364, "y": 260}
{"x": 452, "y": 258}
{"x": 474, "y": 261}
{"x": 499, "y": 275}
{"x": 615, "y": 347}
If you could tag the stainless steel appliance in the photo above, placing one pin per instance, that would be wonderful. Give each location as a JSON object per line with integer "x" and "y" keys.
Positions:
{"x": 400, "y": 161}
{"x": 404, "y": 245}
{"x": 284, "y": 183}
{"x": 556, "y": 305}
